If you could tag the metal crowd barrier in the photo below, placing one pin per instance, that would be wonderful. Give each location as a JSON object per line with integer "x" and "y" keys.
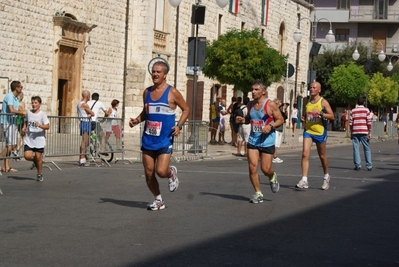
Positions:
{"x": 63, "y": 138}
{"x": 193, "y": 139}
{"x": 392, "y": 130}
{"x": 377, "y": 129}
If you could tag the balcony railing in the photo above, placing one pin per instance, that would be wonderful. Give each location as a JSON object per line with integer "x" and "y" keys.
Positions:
{"x": 371, "y": 15}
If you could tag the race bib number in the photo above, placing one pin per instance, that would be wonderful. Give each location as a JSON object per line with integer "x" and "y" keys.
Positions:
{"x": 257, "y": 125}
{"x": 33, "y": 128}
{"x": 313, "y": 116}
{"x": 153, "y": 128}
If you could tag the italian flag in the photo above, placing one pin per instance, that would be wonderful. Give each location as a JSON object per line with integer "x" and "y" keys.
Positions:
{"x": 233, "y": 7}
{"x": 265, "y": 11}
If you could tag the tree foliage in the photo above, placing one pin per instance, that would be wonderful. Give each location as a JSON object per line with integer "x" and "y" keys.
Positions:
{"x": 239, "y": 57}
{"x": 325, "y": 63}
{"x": 349, "y": 82}
{"x": 383, "y": 91}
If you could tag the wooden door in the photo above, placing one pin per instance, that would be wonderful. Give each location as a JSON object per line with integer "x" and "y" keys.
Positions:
{"x": 66, "y": 75}
{"x": 379, "y": 36}
{"x": 198, "y": 98}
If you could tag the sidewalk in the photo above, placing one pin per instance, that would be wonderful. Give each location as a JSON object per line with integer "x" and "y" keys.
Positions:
{"x": 132, "y": 146}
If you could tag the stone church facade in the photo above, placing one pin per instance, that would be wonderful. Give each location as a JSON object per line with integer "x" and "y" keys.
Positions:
{"x": 59, "y": 48}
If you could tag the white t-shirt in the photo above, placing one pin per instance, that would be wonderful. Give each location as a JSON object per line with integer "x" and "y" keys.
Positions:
{"x": 96, "y": 108}
{"x": 35, "y": 136}
{"x": 294, "y": 113}
{"x": 110, "y": 122}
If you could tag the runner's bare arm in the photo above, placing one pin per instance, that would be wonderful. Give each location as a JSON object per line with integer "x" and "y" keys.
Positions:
{"x": 141, "y": 117}
{"x": 328, "y": 114}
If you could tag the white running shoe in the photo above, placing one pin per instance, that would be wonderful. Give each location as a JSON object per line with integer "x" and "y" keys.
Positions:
{"x": 277, "y": 160}
{"x": 257, "y": 198}
{"x": 173, "y": 181}
{"x": 326, "y": 184}
{"x": 302, "y": 184}
{"x": 156, "y": 205}
{"x": 274, "y": 184}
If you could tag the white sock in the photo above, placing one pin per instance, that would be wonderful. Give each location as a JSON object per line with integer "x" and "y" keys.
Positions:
{"x": 159, "y": 197}
{"x": 304, "y": 178}
{"x": 326, "y": 176}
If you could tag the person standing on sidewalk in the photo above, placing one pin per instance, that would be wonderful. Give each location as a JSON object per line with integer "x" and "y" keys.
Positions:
{"x": 243, "y": 131}
{"x": 35, "y": 126}
{"x": 360, "y": 126}
{"x": 96, "y": 105}
{"x": 9, "y": 122}
{"x": 294, "y": 119}
{"x": 318, "y": 112}
{"x": 159, "y": 107}
{"x": 231, "y": 118}
{"x": 222, "y": 123}
{"x": 215, "y": 119}
{"x": 264, "y": 117}
{"x": 84, "y": 113}
{"x": 279, "y": 131}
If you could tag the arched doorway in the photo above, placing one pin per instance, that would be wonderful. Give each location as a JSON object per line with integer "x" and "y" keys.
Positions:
{"x": 70, "y": 44}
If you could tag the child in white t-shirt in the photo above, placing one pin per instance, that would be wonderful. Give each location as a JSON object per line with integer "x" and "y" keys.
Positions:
{"x": 36, "y": 123}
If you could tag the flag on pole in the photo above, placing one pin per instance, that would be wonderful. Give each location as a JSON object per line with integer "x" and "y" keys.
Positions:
{"x": 233, "y": 7}
{"x": 265, "y": 11}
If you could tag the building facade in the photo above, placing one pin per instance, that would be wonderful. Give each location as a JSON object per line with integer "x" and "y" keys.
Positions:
{"x": 61, "y": 48}
{"x": 373, "y": 22}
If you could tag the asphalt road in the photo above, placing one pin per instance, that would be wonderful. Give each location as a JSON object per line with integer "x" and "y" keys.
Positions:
{"x": 96, "y": 216}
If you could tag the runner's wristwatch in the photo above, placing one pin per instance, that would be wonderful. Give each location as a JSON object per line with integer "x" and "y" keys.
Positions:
{"x": 180, "y": 126}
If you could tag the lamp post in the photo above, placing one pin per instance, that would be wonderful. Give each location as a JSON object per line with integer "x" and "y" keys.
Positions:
{"x": 195, "y": 129}
{"x": 381, "y": 54}
{"x": 176, "y": 3}
{"x": 390, "y": 65}
{"x": 330, "y": 38}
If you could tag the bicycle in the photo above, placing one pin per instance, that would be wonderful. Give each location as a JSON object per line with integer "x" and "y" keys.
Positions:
{"x": 94, "y": 149}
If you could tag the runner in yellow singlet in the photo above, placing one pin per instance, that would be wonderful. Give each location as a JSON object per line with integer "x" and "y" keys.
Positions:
{"x": 317, "y": 110}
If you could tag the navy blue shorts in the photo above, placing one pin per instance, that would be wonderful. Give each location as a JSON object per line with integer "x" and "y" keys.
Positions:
{"x": 266, "y": 150}
{"x": 164, "y": 150}
{"x": 34, "y": 149}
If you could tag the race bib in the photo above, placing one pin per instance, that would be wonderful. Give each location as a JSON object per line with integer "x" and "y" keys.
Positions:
{"x": 313, "y": 116}
{"x": 257, "y": 125}
{"x": 153, "y": 128}
{"x": 33, "y": 128}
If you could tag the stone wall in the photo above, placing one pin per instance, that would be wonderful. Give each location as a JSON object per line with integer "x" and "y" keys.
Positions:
{"x": 30, "y": 40}
{"x": 28, "y": 46}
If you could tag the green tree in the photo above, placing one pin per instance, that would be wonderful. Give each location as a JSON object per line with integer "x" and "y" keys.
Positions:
{"x": 383, "y": 91}
{"x": 239, "y": 57}
{"x": 349, "y": 82}
{"x": 325, "y": 63}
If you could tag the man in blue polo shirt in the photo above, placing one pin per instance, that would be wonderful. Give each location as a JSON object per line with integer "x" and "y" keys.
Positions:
{"x": 9, "y": 122}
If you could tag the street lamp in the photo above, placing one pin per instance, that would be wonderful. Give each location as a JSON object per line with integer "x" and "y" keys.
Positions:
{"x": 176, "y": 3}
{"x": 381, "y": 54}
{"x": 390, "y": 65}
{"x": 330, "y": 37}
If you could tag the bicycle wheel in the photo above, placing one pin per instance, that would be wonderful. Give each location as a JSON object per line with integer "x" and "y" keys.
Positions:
{"x": 109, "y": 155}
